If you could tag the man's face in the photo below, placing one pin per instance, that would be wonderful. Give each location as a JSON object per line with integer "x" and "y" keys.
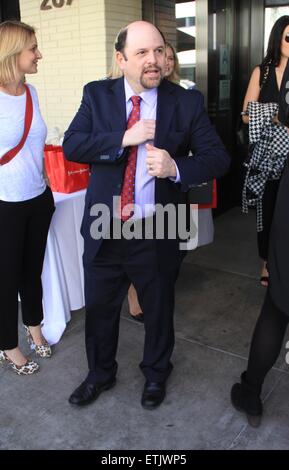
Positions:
{"x": 143, "y": 60}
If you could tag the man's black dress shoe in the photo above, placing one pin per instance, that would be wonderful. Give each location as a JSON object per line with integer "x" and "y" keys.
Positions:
{"x": 138, "y": 317}
{"x": 153, "y": 394}
{"x": 86, "y": 393}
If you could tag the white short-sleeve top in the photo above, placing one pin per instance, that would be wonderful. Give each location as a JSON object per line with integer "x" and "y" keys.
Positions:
{"x": 22, "y": 178}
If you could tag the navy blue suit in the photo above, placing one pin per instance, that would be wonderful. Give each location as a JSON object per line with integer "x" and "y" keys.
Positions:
{"x": 95, "y": 136}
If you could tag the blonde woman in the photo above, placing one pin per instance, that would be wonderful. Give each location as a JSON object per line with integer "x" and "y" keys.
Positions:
{"x": 172, "y": 64}
{"x": 26, "y": 203}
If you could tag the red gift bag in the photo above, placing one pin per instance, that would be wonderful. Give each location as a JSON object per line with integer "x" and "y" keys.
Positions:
{"x": 64, "y": 176}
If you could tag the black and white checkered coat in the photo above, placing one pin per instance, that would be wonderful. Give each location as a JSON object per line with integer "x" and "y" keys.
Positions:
{"x": 271, "y": 147}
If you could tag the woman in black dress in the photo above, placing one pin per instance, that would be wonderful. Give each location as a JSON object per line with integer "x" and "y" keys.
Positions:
{"x": 271, "y": 326}
{"x": 264, "y": 86}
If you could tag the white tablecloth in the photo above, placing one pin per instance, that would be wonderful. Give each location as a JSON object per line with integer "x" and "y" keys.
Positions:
{"x": 62, "y": 276}
{"x": 205, "y": 227}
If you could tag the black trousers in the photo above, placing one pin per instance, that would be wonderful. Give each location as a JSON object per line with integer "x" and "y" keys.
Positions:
{"x": 266, "y": 342}
{"x": 107, "y": 278}
{"x": 269, "y": 200}
{"x": 23, "y": 233}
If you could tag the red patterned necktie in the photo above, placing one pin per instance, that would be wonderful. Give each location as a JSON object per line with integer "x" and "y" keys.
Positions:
{"x": 128, "y": 186}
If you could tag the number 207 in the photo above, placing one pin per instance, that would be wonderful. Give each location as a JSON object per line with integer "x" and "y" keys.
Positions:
{"x": 56, "y": 3}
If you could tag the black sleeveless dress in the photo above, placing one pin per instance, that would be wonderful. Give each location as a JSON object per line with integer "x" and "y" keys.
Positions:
{"x": 269, "y": 93}
{"x": 278, "y": 260}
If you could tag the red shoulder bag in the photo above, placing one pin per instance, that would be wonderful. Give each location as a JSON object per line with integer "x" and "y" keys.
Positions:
{"x": 27, "y": 124}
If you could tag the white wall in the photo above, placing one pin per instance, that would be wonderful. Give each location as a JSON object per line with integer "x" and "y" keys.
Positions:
{"x": 76, "y": 42}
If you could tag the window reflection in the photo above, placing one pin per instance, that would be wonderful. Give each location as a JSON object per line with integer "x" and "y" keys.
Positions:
{"x": 271, "y": 15}
{"x": 186, "y": 41}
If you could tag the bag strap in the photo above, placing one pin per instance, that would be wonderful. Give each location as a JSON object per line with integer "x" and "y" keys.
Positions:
{"x": 27, "y": 124}
{"x": 264, "y": 72}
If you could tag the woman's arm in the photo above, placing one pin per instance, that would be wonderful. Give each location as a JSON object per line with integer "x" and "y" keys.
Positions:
{"x": 45, "y": 175}
{"x": 253, "y": 91}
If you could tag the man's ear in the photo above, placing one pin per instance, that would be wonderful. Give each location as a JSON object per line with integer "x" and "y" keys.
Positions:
{"x": 119, "y": 57}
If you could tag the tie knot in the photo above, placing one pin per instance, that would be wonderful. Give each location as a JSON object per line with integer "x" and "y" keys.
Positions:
{"x": 135, "y": 100}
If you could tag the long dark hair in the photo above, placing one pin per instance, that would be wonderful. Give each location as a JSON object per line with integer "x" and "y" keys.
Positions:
{"x": 273, "y": 55}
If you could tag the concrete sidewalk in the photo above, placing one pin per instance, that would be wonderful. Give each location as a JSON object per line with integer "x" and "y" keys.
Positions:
{"x": 218, "y": 299}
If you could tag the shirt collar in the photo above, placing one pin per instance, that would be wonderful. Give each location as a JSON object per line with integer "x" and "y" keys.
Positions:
{"x": 148, "y": 96}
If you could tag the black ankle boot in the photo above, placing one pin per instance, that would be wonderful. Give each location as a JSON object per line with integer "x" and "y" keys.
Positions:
{"x": 246, "y": 398}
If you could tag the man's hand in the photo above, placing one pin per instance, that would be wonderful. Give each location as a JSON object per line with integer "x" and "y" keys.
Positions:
{"x": 160, "y": 163}
{"x": 140, "y": 132}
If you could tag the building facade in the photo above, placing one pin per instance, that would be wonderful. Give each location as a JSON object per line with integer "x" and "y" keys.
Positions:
{"x": 218, "y": 42}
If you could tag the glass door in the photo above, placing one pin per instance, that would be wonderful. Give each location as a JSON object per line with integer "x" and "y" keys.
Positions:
{"x": 272, "y": 13}
{"x": 185, "y": 12}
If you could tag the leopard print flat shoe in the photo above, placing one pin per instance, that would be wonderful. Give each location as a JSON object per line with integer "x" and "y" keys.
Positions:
{"x": 27, "y": 369}
{"x": 42, "y": 350}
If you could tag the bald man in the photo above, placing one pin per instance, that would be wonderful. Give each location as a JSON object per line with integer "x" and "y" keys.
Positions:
{"x": 136, "y": 132}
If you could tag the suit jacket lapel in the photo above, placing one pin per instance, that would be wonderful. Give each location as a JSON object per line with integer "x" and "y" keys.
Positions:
{"x": 165, "y": 110}
{"x": 117, "y": 105}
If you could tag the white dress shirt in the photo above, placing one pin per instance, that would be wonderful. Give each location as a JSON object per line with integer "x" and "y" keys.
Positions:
{"x": 144, "y": 183}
